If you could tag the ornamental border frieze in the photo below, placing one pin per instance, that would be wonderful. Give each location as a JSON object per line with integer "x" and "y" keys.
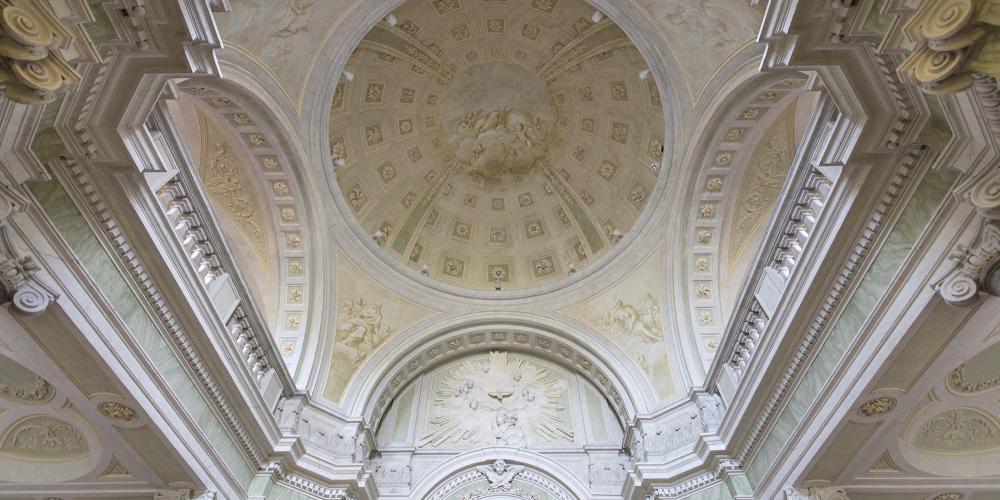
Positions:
{"x": 723, "y": 469}
{"x": 79, "y": 182}
{"x": 708, "y": 214}
{"x": 911, "y": 161}
{"x": 286, "y": 207}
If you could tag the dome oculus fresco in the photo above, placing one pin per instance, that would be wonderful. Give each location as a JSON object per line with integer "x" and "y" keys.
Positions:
{"x": 496, "y": 141}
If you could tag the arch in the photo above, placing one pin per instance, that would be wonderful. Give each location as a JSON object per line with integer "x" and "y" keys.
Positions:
{"x": 722, "y": 108}
{"x": 297, "y": 244}
{"x": 536, "y": 462}
{"x": 587, "y": 353}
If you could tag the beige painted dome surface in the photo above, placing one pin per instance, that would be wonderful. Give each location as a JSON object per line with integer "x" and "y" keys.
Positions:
{"x": 496, "y": 139}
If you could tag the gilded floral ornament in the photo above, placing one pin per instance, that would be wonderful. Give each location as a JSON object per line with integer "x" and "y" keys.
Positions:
{"x": 877, "y": 406}
{"x": 31, "y": 68}
{"x": 956, "y": 38}
{"x": 118, "y": 411}
{"x": 38, "y": 392}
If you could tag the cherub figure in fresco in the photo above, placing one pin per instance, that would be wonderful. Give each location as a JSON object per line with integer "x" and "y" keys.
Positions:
{"x": 361, "y": 328}
{"x": 643, "y": 323}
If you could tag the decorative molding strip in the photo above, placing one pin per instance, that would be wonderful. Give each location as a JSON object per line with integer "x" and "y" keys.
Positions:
{"x": 872, "y": 230}
{"x": 280, "y": 475}
{"x": 84, "y": 186}
{"x": 724, "y": 468}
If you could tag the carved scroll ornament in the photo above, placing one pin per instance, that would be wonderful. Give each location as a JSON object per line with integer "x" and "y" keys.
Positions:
{"x": 962, "y": 285}
{"x": 955, "y": 39}
{"x": 31, "y": 68}
{"x": 18, "y": 285}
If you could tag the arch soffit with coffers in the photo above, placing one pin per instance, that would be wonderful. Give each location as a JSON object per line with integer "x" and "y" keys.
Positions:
{"x": 273, "y": 168}
{"x": 448, "y": 471}
{"x": 691, "y": 192}
{"x": 410, "y": 354}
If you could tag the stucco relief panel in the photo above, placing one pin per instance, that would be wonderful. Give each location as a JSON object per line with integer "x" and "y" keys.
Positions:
{"x": 630, "y": 313}
{"x": 368, "y": 315}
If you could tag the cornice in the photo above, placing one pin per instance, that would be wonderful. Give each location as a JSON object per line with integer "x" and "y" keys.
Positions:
{"x": 82, "y": 186}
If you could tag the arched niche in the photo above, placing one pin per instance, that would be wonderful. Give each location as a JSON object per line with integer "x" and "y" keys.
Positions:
{"x": 605, "y": 366}
{"x": 498, "y": 398}
{"x": 745, "y": 144}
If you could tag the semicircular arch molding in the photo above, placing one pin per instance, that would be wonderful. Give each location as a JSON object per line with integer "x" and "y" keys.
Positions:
{"x": 540, "y": 471}
{"x": 586, "y": 353}
{"x": 274, "y": 164}
{"x": 735, "y": 120}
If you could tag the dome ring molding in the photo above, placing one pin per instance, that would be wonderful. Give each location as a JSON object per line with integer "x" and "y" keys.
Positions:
{"x": 632, "y": 21}
{"x": 606, "y": 368}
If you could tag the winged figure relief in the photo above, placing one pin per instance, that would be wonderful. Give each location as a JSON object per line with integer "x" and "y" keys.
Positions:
{"x": 499, "y": 474}
{"x": 499, "y": 401}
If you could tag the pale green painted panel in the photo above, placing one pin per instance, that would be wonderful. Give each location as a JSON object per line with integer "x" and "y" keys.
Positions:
{"x": 281, "y": 492}
{"x": 404, "y": 411}
{"x": 595, "y": 413}
{"x": 717, "y": 492}
{"x": 61, "y": 210}
{"x": 915, "y": 216}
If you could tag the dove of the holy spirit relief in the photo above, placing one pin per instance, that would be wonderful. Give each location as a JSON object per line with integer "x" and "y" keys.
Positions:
{"x": 500, "y": 401}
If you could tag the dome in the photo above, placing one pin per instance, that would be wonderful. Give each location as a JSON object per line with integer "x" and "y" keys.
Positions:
{"x": 497, "y": 141}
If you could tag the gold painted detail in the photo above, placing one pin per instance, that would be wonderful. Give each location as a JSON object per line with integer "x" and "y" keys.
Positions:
{"x": 877, "y": 406}
{"x": 955, "y": 38}
{"x": 885, "y": 465}
{"x": 31, "y": 66}
{"x": 231, "y": 190}
{"x": 118, "y": 411}
{"x": 44, "y": 437}
{"x": 39, "y": 391}
{"x": 762, "y": 181}
{"x": 115, "y": 468}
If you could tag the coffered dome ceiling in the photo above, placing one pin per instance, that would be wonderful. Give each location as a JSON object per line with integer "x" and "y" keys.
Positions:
{"x": 496, "y": 139}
